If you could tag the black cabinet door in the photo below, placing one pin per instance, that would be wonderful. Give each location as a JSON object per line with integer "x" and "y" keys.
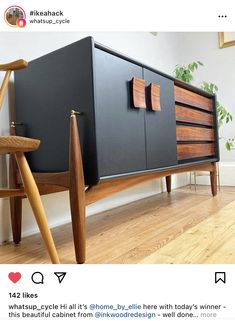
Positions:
{"x": 120, "y": 128}
{"x": 45, "y": 93}
{"x": 161, "y": 125}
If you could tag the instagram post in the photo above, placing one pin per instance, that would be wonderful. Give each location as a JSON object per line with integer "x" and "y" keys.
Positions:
{"x": 117, "y": 162}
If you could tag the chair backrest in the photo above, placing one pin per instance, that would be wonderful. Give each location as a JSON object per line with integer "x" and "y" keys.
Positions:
{"x": 8, "y": 68}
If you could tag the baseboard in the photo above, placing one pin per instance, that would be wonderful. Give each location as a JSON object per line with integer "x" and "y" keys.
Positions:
{"x": 227, "y": 175}
{"x": 135, "y": 193}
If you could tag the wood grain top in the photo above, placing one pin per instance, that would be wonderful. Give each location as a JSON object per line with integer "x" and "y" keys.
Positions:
{"x": 14, "y": 65}
{"x": 14, "y": 144}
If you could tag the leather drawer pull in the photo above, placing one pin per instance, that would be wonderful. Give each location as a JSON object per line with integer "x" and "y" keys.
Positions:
{"x": 155, "y": 97}
{"x": 138, "y": 93}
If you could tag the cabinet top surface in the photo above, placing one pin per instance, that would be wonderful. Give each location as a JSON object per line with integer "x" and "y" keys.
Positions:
{"x": 95, "y": 44}
{"x": 176, "y": 81}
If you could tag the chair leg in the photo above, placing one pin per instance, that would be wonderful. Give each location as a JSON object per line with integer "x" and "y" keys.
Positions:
{"x": 161, "y": 184}
{"x": 218, "y": 175}
{"x": 195, "y": 181}
{"x": 36, "y": 204}
{"x": 16, "y": 218}
{"x": 15, "y": 202}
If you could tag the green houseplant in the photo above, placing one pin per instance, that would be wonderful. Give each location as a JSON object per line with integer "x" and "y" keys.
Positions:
{"x": 185, "y": 73}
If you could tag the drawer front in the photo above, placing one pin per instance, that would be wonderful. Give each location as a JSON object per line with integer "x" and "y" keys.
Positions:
{"x": 189, "y": 115}
{"x": 187, "y": 151}
{"x": 190, "y": 98}
{"x": 188, "y": 133}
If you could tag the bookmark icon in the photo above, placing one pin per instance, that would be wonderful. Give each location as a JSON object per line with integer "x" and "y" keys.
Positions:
{"x": 60, "y": 276}
{"x": 220, "y": 277}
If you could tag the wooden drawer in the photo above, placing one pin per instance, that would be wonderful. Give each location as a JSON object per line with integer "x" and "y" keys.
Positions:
{"x": 193, "y": 116}
{"x": 188, "y": 133}
{"x": 190, "y": 98}
{"x": 187, "y": 151}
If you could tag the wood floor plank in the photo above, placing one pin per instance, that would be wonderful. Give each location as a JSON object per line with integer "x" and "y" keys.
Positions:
{"x": 184, "y": 227}
{"x": 170, "y": 232}
{"x": 211, "y": 241}
{"x": 140, "y": 229}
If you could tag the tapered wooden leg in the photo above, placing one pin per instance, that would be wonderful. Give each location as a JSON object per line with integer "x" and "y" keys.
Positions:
{"x": 15, "y": 203}
{"x": 16, "y": 218}
{"x": 168, "y": 183}
{"x": 77, "y": 192}
{"x": 36, "y": 204}
{"x": 213, "y": 177}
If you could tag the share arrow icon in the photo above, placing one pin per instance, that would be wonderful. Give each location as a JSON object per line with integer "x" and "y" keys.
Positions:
{"x": 60, "y": 276}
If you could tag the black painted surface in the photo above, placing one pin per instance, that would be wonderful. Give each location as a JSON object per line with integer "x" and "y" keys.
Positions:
{"x": 161, "y": 125}
{"x": 177, "y": 81}
{"x": 45, "y": 93}
{"x": 120, "y": 127}
{"x": 116, "y": 139}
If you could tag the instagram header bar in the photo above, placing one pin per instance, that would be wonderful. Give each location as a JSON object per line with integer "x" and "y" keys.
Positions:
{"x": 104, "y": 15}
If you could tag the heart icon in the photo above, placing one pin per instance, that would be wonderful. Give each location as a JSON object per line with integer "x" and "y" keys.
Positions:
{"x": 14, "y": 276}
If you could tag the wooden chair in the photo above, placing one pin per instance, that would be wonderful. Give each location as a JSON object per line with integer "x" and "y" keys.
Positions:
{"x": 18, "y": 146}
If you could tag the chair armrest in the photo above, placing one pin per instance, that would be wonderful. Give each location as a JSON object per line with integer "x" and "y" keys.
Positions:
{"x": 14, "y": 65}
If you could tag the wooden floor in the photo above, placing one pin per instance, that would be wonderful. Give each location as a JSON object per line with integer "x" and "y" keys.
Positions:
{"x": 184, "y": 227}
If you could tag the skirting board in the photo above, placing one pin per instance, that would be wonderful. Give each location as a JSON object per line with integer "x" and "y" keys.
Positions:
{"x": 227, "y": 175}
{"x": 58, "y": 210}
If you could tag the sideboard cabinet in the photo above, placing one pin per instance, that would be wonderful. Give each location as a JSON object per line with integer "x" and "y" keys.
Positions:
{"x": 135, "y": 122}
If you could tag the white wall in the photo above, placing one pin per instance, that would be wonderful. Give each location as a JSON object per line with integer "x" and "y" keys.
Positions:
{"x": 160, "y": 52}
